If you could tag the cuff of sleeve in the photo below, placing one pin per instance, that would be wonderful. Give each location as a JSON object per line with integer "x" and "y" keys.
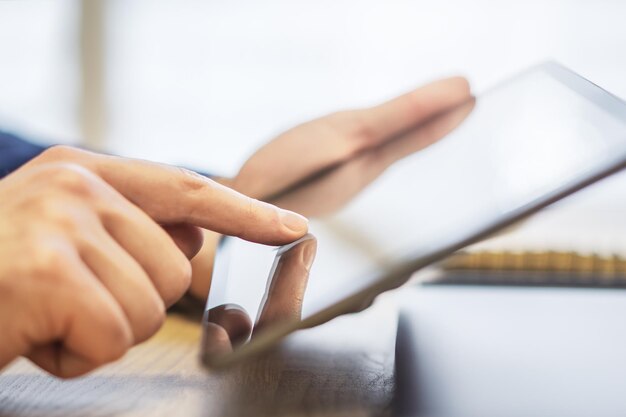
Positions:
{"x": 15, "y": 151}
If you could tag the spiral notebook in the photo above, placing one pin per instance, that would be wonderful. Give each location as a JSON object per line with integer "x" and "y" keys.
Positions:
{"x": 558, "y": 248}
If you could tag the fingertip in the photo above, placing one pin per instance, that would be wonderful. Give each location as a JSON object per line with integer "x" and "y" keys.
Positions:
{"x": 295, "y": 222}
{"x": 459, "y": 84}
{"x": 308, "y": 252}
{"x": 464, "y": 84}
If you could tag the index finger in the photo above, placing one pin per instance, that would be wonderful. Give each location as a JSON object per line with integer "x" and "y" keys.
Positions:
{"x": 172, "y": 195}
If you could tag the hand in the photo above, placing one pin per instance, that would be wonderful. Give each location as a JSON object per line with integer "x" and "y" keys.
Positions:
{"x": 323, "y": 143}
{"x": 230, "y": 325}
{"x": 93, "y": 248}
{"x": 328, "y": 193}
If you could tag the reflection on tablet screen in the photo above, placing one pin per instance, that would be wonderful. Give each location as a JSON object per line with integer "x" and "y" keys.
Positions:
{"x": 514, "y": 149}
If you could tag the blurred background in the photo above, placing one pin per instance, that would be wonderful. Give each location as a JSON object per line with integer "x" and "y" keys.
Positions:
{"x": 204, "y": 83}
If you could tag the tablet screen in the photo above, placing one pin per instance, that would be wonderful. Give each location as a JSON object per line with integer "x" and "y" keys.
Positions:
{"x": 489, "y": 159}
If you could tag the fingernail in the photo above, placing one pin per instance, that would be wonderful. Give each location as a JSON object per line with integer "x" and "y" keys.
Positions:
{"x": 294, "y": 221}
{"x": 308, "y": 253}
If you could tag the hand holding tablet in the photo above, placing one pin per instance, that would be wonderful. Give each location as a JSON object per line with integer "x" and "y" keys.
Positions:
{"x": 400, "y": 205}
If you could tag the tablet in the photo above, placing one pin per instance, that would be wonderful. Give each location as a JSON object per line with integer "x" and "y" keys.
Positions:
{"x": 386, "y": 213}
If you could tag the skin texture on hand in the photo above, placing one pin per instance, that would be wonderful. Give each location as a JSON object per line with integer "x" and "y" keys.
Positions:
{"x": 321, "y": 144}
{"x": 93, "y": 248}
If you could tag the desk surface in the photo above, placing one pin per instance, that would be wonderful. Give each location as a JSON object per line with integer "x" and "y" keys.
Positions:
{"x": 344, "y": 367}
{"x": 482, "y": 351}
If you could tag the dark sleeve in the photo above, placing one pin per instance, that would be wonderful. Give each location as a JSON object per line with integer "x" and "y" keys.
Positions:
{"x": 15, "y": 151}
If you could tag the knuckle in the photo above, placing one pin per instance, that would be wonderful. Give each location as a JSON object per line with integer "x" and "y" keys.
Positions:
{"x": 59, "y": 153}
{"x": 71, "y": 177}
{"x": 48, "y": 260}
{"x": 251, "y": 210}
{"x": 191, "y": 181}
{"x": 56, "y": 211}
{"x": 274, "y": 220}
{"x": 353, "y": 124}
{"x": 249, "y": 217}
{"x": 363, "y": 132}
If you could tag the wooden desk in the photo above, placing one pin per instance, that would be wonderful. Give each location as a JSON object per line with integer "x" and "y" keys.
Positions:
{"x": 344, "y": 367}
